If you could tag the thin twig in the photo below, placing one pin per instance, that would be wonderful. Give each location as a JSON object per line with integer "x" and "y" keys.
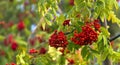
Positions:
{"x": 69, "y": 32}
{"x": 105, "y": 23}
{"x": 115, "y": 37}
{"x": 106, "y": 61}
{"x": 38, "y": 25}
{"x": 59, "y": 10}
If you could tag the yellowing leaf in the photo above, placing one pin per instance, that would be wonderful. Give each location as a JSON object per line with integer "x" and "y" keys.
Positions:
{"x": 1, "y": 38}
{"x": 116, "y": 4}
{"x": 113, "y": 17}
{"x": 43, "y": 25}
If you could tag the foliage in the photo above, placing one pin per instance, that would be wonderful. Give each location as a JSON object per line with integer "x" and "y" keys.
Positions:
{"x": 57, "y": 32}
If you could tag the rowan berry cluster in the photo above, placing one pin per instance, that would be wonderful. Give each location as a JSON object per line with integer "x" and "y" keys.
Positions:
{"x": 66, "y": 22}
{"x": 88, "y": 35}
{"x": 20, "y": 25}
{"x": 58, "y": 39}
{"x": 41, "y": 51}
{"x": 10, "y": 41}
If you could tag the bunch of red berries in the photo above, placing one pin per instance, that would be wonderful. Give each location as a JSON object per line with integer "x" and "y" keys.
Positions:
{"x": 41, "y": 51}
{"x": 10, "y": 41}
{"x": 2, "y": 52}
{"x": 66, "y": 22}
{"x": 58, "y": 40}
{"x": 20, "y": 25}
{"x": 71, "y": 61}
{"x": 71, "y": 2}
{"x": 96, "y": 24}
{"x": 32, "y": 51}
{"x": 12, "y": 63}
{"x": 6, "y": 25}
{"x": 88, "y": 34}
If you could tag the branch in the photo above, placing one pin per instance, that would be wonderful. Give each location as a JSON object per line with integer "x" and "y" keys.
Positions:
{"x": 69, "y": 32}
{"x": 38, "y": 25}
{"x": 113, "y": 38}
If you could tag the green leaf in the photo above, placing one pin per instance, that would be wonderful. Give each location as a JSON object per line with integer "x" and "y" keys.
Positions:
{"x": 72, "y": 47}
{"x": 49, "y": 16}
{"x": 1, "y": 38}
{"x": 21, "y": 58}
{"x": 27, "y": 32}
{"x": 21, "y": 42}
{"x": 104, "y": 54}
{"x": 84, "y": 51}
{"x": 80, "y": 6}
{"x": 102, "y": 16}
{"x": 13, "y": 29}
{"x": 105, "y": 40}
{"x": 60, "y": 19}
{"x": 105, "y": 32}
{"x": 61, "y": 60}
{"x": 80, "y": 23}
{"x": 101, "y": 3}
{"x": 94, "y": 51}
{"x": 48, "y": 22}
{"x": 89, "y": 56}
{"x": 78, "y": 28}
{"x": 99, "y": 38}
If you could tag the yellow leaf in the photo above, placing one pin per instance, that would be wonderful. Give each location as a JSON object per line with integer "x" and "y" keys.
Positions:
{"x": 113, "y": 17}
{"x": 43, "y": 25}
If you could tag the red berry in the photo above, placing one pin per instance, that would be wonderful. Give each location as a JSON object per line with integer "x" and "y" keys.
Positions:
{"x": 8, "y": 40}
{"x": 34, "y": 1}
{"x": 71, "y": 61}
{"x": 7, "y": 64}
{"x": 66, "y": 22}
{"x": 20, "y": 25}
{"x": 118, "y": 0}
{"x": 10, "y": 24}
{"x": 71, "y": 2}
{"x": 62, "y": 50}
{"x": 32, "y": 51}
{"x": 14, "y": 46}
{"x": 26, "y": 3}
{"x": 2, "y": 23}
{"x": 78, "y": 15}
{"x": 39, "y": 39}
{"x": 12, "y": 63}
{"x": 112, "y": 43}
{"x": 2, "y": 52}
{"x": 32, "y": 41}
{"x": 42, "y": 50}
